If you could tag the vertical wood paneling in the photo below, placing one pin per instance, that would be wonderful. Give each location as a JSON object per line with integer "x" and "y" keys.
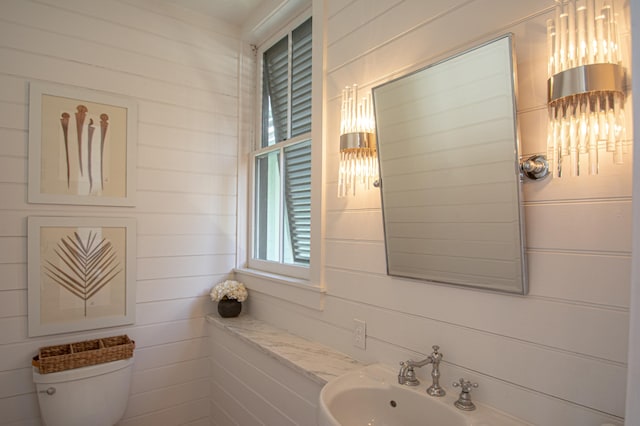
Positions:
{"x": 182, "y": 73}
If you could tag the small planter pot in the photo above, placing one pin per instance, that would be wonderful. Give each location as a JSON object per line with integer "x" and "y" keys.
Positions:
{"x": 229, "y": 308}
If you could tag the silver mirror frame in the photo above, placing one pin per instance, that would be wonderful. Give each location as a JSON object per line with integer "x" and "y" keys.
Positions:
{"x": 426, "y": 262}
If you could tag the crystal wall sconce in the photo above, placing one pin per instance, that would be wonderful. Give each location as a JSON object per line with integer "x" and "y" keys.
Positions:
{"x": 358, "y": 157}
{"x": 585, "y": 87}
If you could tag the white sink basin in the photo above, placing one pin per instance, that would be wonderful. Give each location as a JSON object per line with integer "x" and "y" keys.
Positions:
{"x": 372, "y": 396}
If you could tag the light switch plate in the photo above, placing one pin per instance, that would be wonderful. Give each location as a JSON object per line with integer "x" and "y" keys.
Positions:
{"x": 359, "y": 334}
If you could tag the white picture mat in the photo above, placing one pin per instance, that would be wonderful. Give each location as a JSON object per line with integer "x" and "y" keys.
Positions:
{"x": 36, "y": 225}
{"x": 40, "y": 95}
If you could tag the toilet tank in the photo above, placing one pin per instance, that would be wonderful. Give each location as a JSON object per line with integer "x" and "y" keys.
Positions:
{"x": 96, "y": 395}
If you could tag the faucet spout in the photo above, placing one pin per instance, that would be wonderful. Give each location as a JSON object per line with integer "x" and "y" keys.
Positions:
{"x": 407, "y": 375}
{"x": 427, "y": 360}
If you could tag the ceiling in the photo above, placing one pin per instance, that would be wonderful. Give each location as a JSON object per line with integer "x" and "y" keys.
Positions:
{"x": 232, "y": 11}
{"x": 256, "y": 19}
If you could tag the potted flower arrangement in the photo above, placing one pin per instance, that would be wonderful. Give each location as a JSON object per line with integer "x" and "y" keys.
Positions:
{"x": 229, "y": 295}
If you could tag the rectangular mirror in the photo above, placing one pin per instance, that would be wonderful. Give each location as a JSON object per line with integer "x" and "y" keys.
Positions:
{"x": 449, "y": 170}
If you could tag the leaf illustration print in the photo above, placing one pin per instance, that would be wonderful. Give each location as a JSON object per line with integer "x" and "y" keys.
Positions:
{"x": 85, "y": 267}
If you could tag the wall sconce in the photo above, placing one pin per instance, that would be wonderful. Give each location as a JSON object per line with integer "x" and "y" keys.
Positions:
{"x": 358, "y": 157}
{"x": 585, "y": 87}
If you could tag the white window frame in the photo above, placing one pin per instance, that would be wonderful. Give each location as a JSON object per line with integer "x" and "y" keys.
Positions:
{"x": 274, "y": 278}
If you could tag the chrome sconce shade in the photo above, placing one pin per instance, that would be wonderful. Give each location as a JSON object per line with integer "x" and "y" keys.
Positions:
{"x": 358, "y": 157}
{"x": 585, "y": 90}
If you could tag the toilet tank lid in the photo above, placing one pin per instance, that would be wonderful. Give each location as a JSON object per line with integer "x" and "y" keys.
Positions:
{"x": 82, "y": 372}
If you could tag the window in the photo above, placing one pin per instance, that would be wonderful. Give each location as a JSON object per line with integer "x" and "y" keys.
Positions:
{"x": 282, "y": 162}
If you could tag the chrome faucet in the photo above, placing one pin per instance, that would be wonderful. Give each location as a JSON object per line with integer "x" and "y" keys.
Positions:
{"x": 407, "y": 375}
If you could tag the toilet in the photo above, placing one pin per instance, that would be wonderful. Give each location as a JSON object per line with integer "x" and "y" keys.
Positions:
{"x": 96, "y": 395}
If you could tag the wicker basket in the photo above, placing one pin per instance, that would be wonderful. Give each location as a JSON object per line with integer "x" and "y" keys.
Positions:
{"x": 81, "y": 354}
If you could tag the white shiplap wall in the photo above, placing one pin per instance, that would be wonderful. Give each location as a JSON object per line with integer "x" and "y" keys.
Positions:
{"x": 554, "y": 357}
{"x": 182, "y": 70}
{"x": 249, "y": 387}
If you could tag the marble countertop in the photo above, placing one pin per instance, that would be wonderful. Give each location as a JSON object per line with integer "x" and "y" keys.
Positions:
{"x": 318, "y": 362}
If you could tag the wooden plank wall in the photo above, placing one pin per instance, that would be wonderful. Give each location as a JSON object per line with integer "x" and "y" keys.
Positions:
{"x": 556, "y": 356}
{"x": 182, "y": 70}
{"x": 249, "y": 387}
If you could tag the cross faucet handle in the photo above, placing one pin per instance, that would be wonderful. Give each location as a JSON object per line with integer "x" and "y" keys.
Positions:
{"x": 464, "y": 400}
{"x": 465, "y": 385}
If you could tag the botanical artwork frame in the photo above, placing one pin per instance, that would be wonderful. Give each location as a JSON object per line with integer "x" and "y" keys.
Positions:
{"x": 81, "y": 273}
{"x": 82, "y": 146}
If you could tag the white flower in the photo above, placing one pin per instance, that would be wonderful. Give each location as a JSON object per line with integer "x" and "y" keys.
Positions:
{"x": 229, "y": 289}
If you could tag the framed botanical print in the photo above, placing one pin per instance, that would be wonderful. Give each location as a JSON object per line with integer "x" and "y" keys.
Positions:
{"x": 82, "y": 146}
{"x": 81, "y": 273}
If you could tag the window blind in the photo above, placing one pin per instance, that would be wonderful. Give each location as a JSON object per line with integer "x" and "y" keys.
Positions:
{"x": 275, "y": 93}
{"x": 297, "y": 166}
{"x": 301, "y": 79}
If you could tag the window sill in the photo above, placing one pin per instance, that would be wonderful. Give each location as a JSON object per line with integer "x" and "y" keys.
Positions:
{"x": 294, "y": 290}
